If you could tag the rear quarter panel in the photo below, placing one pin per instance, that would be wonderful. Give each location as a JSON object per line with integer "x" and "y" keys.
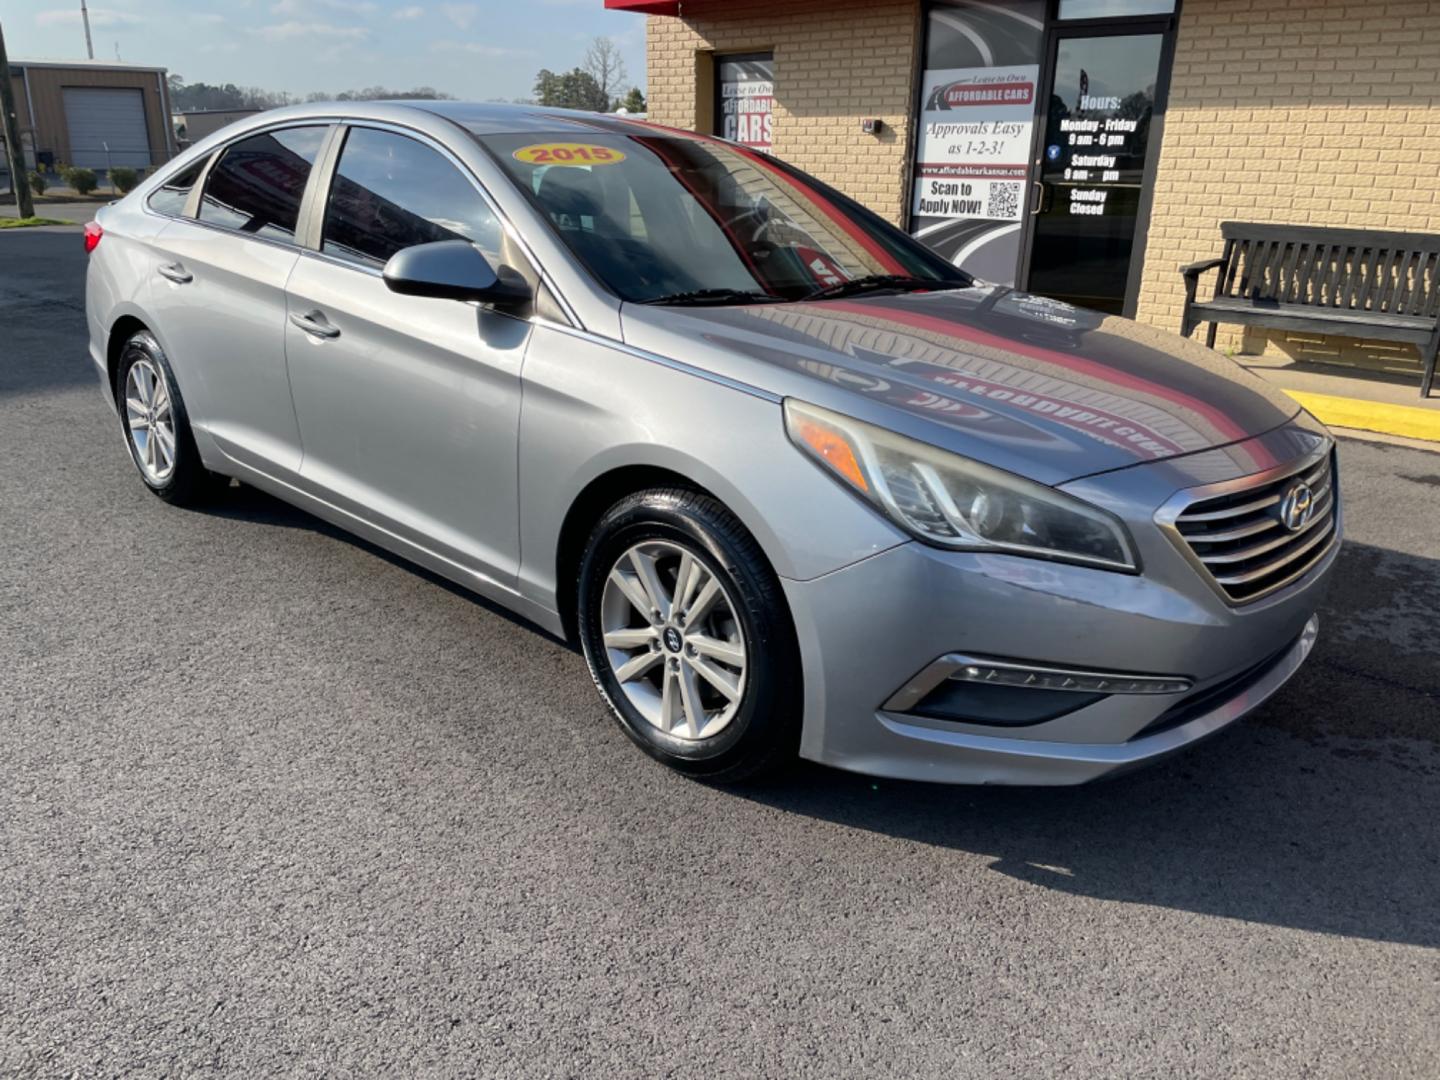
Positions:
{"x": 119, "y": 276}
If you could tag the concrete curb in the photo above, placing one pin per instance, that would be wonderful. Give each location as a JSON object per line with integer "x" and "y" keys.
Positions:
{"x": 1403, "y": 420}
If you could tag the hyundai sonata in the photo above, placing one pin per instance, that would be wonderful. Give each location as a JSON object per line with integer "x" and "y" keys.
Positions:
{"x": 793, "y": 482}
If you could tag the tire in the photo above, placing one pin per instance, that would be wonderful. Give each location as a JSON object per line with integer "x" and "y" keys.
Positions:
{"x": 175, "y": 472}
{"x": 696, "y": 729}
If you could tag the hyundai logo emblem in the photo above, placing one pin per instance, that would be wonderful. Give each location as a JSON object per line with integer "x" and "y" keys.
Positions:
{"x": 672, "y": 639}
{"x": 1297, "y": 507}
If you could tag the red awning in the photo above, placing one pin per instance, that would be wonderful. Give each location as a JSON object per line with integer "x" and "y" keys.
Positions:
{"x": 646, "y": 7}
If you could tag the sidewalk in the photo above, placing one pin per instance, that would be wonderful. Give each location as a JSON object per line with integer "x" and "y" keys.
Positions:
{"x": 56, "y": 191}
{"x": 1354, "y": 398}
{"x": 74, "y": 213}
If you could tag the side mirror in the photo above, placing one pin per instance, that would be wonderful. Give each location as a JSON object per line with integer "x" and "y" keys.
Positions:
{"x": 454, "y": 270}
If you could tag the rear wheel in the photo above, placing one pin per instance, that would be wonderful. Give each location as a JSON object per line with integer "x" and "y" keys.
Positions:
{"x": 687, "y": 636}
{"x": 156, "y": 425}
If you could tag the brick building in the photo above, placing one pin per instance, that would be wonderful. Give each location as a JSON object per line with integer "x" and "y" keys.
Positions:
{"x": 1081, "y": 148}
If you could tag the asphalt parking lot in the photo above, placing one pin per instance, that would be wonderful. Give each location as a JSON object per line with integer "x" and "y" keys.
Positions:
{"x": 273, "y": 802}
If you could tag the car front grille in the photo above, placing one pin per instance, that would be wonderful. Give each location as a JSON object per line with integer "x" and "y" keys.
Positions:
{"x": 1242, "y": 542}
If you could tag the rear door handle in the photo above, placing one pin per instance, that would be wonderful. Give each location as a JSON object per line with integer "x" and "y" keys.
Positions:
{"x": 176, "y": 273}
{"x": 316, "y": 325}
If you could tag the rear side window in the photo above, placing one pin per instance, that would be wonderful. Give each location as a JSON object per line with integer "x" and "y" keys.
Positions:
{"x": 257, "y": 184}
{"x": 170, "y": 197}
{"x": 391, "y": 192}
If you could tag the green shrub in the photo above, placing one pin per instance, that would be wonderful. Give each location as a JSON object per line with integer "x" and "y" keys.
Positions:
{"x": 38, "y": 183}
{"x": 123, "y": 179}
{"x": 83, "y": 181}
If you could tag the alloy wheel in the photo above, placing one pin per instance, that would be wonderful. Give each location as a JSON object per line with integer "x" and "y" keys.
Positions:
{"x": 673, "y": 641}
{"x": 149, "y": 420}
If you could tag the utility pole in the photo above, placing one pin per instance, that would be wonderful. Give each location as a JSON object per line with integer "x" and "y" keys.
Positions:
{"x": 85, "y": 18}
{"x": 18, "y": 178}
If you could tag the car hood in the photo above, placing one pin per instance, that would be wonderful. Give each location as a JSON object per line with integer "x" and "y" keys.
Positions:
{"x": 1034, "y": 385}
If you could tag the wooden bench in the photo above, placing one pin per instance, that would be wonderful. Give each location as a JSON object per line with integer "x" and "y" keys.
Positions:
{"x": 1353, "y": 282}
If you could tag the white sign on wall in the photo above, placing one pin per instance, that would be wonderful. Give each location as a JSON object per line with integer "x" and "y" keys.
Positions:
{"x": 975, "y": 131}
{"x": 747, "y": 100}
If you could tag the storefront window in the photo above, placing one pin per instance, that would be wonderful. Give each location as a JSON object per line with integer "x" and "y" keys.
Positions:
{"x": 978, "y": 97}
{"x": 1033, "y": 163}
{"x": 1097, "y": 137}
{"x": 1113, "y": 9}
{"x": 744, "y": 97}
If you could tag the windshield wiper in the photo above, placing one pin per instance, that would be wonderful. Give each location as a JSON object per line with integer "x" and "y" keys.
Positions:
{"x": 875, "y": 282}
{"x": 714, "y": 296}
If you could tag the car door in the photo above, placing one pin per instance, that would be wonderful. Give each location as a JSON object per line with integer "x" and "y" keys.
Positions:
{"x": 408, "y": 406}
{"x": 222, "y": 316}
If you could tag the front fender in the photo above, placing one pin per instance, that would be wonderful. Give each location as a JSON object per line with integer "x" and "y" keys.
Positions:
{"x": 591, "y": 408}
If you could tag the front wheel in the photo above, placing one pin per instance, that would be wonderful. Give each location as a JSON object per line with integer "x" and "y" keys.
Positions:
{"x": 687, "y": 636}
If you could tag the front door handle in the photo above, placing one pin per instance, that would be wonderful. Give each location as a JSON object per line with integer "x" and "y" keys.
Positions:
{"x": 176, "y": 273}
{"x": 1038, "y": 203}
{"x": 315, "y": 324}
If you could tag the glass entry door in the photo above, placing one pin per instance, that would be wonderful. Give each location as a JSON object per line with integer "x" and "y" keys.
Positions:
{"x": 1093, "y": 166}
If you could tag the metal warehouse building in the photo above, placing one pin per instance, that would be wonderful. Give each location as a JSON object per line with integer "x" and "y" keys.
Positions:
{"x": 196, "y": 124}
{"x": 92, "y": 114}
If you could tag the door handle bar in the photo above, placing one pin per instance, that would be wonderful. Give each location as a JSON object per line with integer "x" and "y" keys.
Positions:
{"x": 315, "y": 325}
{"x": 176, "y": 273}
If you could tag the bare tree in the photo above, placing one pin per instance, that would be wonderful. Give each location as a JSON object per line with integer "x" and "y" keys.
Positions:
{"x": 604, "y": 63}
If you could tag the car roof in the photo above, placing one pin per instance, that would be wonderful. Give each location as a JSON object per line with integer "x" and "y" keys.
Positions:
{"x": 493, "y": 118}
{"x": 478, "y": 118}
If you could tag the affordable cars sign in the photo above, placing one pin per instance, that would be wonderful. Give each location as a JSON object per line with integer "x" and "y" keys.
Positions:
{"x": 974, "y": 141}
{"x": 746, "y": 100}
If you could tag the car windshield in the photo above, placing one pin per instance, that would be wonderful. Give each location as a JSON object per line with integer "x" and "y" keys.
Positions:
{"x": 671, "y": 218}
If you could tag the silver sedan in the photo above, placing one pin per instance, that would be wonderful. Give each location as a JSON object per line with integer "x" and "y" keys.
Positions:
{"x": 794, "y": 483}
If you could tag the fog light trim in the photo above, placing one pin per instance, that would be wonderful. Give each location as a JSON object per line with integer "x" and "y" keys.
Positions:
{"x": 1084, "y": 682}
{"x": 986, "y": 670}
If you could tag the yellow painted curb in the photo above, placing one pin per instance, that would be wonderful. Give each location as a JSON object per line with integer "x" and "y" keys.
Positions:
{"x": 1403, "y": 420}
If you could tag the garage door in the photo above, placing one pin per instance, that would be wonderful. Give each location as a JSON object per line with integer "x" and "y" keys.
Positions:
{"x": 106, "y": 116}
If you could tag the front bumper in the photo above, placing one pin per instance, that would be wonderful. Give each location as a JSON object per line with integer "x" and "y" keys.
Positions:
{"x": 991, "y": 759}
{"x": 872, "y": 630}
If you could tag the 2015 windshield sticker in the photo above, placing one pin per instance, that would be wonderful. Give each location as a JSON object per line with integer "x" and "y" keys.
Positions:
{"x": 568, "y": 154}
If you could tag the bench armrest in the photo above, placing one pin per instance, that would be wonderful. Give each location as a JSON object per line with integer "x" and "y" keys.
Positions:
{"x": 1195, "y": 269}
{"x": 1192, "y": 274}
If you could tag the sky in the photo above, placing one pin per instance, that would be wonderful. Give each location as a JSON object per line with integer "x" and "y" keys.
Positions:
{"x": 473, "y": 49}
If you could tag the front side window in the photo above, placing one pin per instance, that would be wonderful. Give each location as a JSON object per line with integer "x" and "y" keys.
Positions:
{"x": 658, "y": 217}
{"x": 170, "y": 197}
{"x": 257, "y": 184}
{"x": 391, "y": 192}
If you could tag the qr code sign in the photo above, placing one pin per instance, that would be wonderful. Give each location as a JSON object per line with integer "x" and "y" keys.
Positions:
{"x": 1005, "y": 201}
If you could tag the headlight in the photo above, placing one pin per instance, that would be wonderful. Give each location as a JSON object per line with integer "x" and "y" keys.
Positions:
{"x": 950, "y": 501}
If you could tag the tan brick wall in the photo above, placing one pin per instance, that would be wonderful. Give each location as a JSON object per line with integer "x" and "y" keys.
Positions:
{"x": 1316, "y": 112}
{"x": 836, "y": 61}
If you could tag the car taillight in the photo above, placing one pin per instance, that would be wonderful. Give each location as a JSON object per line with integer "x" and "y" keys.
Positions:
{"x": 93, "y": 233}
